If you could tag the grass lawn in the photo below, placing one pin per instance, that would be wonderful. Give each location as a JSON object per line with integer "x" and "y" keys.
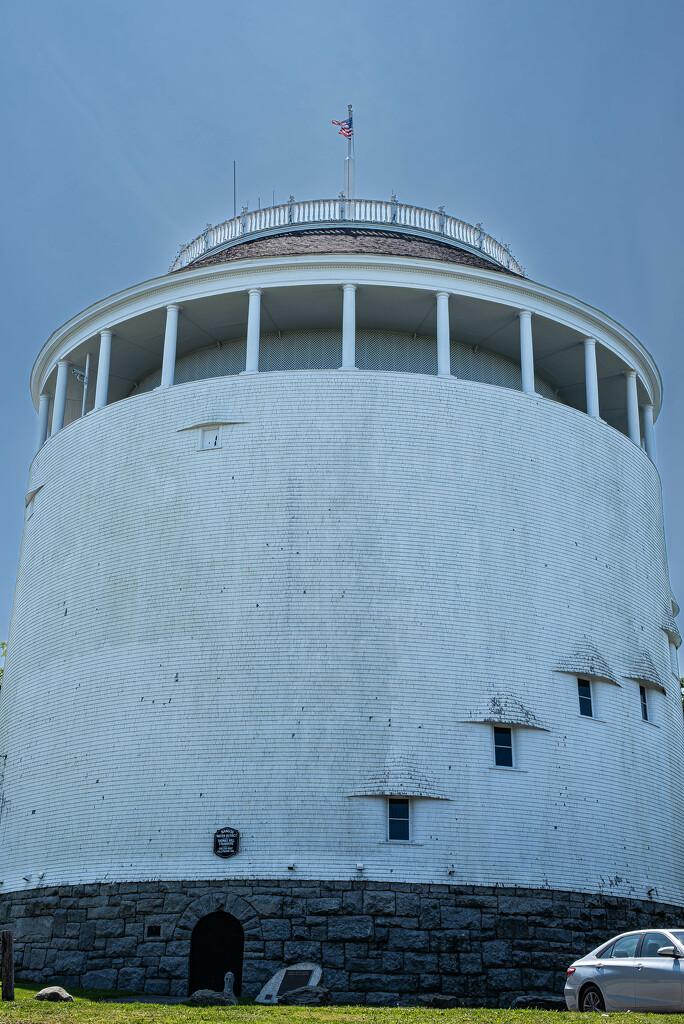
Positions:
{"x": 90, "y": 1008}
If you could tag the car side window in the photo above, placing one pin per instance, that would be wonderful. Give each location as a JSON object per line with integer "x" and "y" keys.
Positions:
{"x": 605, "y": 953}
{"x": 653, "y": 941}
{"x": 626, "y": 946}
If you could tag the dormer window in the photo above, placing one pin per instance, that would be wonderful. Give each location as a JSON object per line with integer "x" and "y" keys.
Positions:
{"x": 398, "y": 829}
{"x": 584, "y": 694}
{"x": 644, "y": 703}
{"x": 503, "y": 747}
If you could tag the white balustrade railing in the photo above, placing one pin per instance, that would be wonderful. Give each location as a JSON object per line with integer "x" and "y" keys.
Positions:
{"x": 343, "y": 211}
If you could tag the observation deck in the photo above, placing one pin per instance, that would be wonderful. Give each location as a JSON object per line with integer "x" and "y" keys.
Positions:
{"x": 347, "y": 213}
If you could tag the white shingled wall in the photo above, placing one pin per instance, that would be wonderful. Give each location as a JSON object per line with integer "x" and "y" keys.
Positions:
{"x": 321, "y": 607}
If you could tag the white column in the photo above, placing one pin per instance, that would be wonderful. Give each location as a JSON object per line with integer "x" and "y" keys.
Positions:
{"x": 42, "y": 425}
{"x": 349, "y": 327}
{"x": 649, "y": 433}
{"x": 526, "y": 352}
{"x": 253, "y": 331}
{"x": 102, "y": 385}
{"x": 443, "y": 338}
{"x": 168, "y": 372}
{"x": 632, "y": 407}
{"x": 60, "y": 395}
{"x": 591, "y": 377}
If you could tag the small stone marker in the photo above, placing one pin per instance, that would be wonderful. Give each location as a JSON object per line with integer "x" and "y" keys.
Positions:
{"x": 288, "y": 979}
{"x": 54, "y": 994}
{"x": 207, "y": 996}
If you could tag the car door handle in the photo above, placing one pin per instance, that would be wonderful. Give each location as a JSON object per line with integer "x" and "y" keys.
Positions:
{"x": 639, "y": 966}
{"x": 599, "y": 966}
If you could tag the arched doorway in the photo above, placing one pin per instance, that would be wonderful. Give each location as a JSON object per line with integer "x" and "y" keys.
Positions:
{"x": 216, "y": 946}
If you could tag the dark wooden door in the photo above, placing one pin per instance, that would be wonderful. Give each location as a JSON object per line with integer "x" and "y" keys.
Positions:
{"x": 216, "y": 946}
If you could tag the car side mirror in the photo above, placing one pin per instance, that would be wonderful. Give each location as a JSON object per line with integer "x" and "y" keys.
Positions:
{"x": 669, "y": 951}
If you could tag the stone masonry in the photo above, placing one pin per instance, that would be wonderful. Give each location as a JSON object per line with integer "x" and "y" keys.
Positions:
{"x": 378, "y": 943}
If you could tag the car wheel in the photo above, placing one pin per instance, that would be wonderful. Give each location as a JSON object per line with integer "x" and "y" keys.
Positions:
{"x": 591, "y": 1000}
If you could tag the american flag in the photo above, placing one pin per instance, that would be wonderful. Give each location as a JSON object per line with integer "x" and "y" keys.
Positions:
{"x": 346, "y": 128}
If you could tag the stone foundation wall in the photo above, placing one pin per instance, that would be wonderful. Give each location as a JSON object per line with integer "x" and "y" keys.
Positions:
{"x": 378, "y": 943}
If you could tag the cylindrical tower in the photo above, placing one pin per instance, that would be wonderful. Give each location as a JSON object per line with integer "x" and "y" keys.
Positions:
{"x": 345, "y": 536}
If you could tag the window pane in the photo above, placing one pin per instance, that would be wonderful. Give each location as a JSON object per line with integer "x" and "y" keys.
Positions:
{"x": 626, "y": 946}
{"x": 584, "y": 693}
{"x": 644, "y": 703}
{"x": 398, "y": 823}
{"x": 653, "y": 941}
{"x": 398, "y": 829}
{"x": 503, "y": 748}
{"x": 210, "y": 437}
{"x": 399, "y": 809}
{"x": 604, "y": 954}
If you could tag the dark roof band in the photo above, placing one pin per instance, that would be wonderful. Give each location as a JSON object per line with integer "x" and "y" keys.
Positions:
{"x": 340, "y": 241}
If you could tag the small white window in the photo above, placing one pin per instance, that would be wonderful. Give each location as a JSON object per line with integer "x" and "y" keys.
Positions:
{"x": 586, "y": 706}
{"x": 674, "y": 659}
{"x": 644, "y": 703}
{"x": 210, "y": 437}
{"x": 398, "y": 825}
{"x": 503, "y": 747}
{"x": 30, "y": 507}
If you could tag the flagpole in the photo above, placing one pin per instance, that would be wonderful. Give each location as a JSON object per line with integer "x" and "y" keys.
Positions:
{"x": 349, "y": 163}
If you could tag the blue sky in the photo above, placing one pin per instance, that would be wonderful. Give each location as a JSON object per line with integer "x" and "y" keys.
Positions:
{"x": 558, "y": 126}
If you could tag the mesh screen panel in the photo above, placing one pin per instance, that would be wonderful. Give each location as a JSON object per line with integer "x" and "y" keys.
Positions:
{"x": 490, "y": 368}
{"x": 322, "y": 349}
{"x": 301, "y": 350}
{"x": 386, "y": 350}
{"x": 202, "y": 364}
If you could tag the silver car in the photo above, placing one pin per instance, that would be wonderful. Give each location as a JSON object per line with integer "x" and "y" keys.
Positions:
{"x": 634, "y": 971}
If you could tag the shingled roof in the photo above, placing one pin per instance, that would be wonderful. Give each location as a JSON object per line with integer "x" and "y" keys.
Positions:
{"x": 334, "y": 241}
